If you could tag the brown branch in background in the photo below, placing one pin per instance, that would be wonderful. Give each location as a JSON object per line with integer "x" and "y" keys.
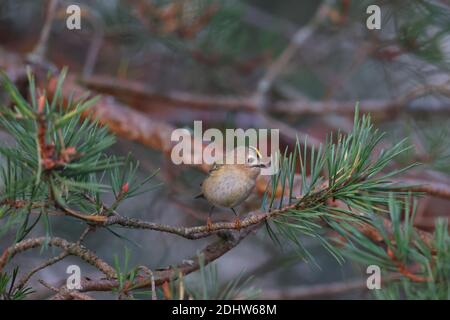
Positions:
{"x": 432, "y": 188}
{"x": 297, "y": 41}
{"x": 39, "y": 51}
{"x": 136, "y": 91}
{"x": 130, "y": 90}
{"x": 97, "y": 40}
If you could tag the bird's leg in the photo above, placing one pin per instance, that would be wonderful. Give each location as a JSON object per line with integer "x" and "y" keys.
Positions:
{"x": 209, "y": 222}
{"x": 237, "y": 221}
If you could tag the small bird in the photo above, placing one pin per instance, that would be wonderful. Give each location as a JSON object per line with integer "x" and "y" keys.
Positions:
{"x": 228, "y": 185}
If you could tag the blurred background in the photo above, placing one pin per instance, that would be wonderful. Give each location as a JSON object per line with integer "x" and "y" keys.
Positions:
{"x": 297, "y": 66}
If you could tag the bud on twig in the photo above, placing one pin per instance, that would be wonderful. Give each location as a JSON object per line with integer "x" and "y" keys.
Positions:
{"x": 41, "y": 104}
{"x": 125, "y": 188}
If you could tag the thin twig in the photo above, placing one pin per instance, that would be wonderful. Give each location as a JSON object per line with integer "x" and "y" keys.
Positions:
{"x": 152, "y": 281}
{"x": 96, "y": 43}
{"x": 69, "y": 247}
{"x": 40, "y": 49}
{"x": 85, "y": 232}
{"x": 23, "y": 281}
{"x": 48, "y": 285}
{"x": 297, "y": 41}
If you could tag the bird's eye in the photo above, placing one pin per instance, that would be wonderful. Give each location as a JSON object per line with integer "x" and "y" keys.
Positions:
{"x": 251, "y": 160}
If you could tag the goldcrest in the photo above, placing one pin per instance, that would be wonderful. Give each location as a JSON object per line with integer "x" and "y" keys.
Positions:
{"x": 228, "y": 185}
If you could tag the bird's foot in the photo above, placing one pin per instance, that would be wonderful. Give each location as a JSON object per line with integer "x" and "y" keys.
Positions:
{"x": 237, "y": 223}
{"x": 209, "y": 224}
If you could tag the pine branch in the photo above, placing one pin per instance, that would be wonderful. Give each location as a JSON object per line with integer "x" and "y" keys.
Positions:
{"x": 65, "y": 294}
{"x": 210, "y": 253}
{"x": 73, "y": 249}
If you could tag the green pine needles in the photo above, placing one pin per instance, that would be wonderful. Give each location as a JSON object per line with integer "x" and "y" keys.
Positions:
{"x": 414, "y": 264}
{"x": 348, "y": 187}
{"x": 58, "y": 161}
{"x": 341, "y": 181}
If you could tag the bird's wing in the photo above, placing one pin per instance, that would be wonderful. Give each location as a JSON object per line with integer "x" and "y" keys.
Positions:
{"x": 213, "y": 168}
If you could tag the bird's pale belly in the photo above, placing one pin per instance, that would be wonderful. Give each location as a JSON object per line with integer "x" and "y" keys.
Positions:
{"x": 226, "y": 192}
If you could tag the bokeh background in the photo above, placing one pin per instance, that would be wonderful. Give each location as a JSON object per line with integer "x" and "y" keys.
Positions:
{"x": 297, "y": 66}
